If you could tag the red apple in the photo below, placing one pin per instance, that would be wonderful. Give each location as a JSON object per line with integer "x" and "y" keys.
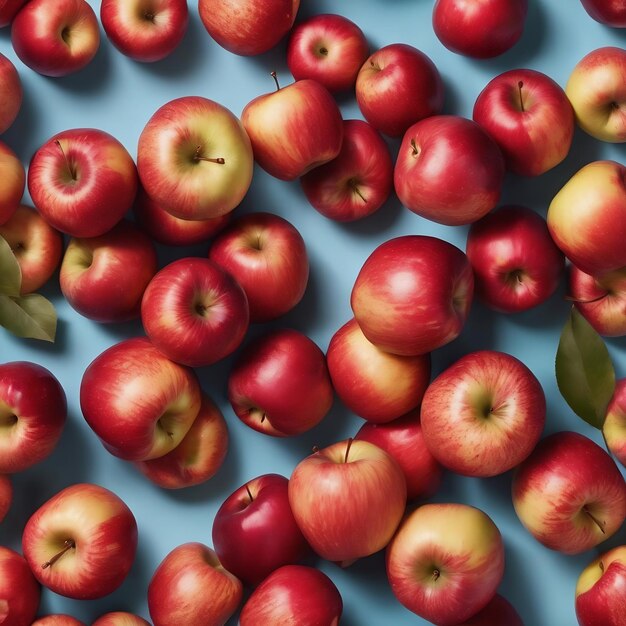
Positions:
{"x": 6, "y": 496}
{"x": 397, "y": 86}
{"x": 614, "y": 428}
{"x": 608, "y": 12}
{"x": 60, "y": 619}
{"x": 499, "y": 612}
{"x": 19, "y": 591}
{"x": 267, "y": 256}
{"x": 358, "y": 181}
{"x": 280, "y": 385}
{"x": 195, "y": 312}
{"x": 120, "y": 618}
{"x": 8, "y": 10}
{"x": 13, "y": 181}
{"x": 11, "y": 89}
{"x": 81, "y": 543}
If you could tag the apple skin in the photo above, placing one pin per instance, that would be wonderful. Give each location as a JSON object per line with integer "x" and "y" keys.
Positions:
{"x": 358, "y": 181}
{"x": 449, "y": 170}
{"x": 248, "y": 27}
{"x": 6, "y": 496}
{"x": 596, "y": 88}
{"x": 254, "y": 531}
{"x": 601, "y": 590}
{"x": 33, "y": 411}
{"x": 294, "y": 129}
{"x": 378, "y": 386}
{"x": 99, "y": 523}
{"x": 403, "y": 439}
{"x": 190, "y": 587}
{"x": 481, "y": 30}
{"x": 8, "y": 10}
{"x": 294, "y": 594}
{"x": 445, "y": 562}
{"x": 499, "y": 612}
{"x": 529, "y": 117}
{"x": 413, "y": 294}
{"x": 614, "y": 428}
{"x": 569, "y": 494}
{"x": 327, "y": 48}
{"x": 11, "y": 89}
{"x": 280, "y": 385}
{"x": 120, "y": 618}
{"x": 82, "y": 181}
{"x": 138, "y": 402}
{"x": 267, "y": 256}
{"x": 19, "y": 591}
{"x": 36, "y": 245}
{"x": 608, "y": 12}
{"x": 197, "y": 457}
{"x": 13, "y": 182}
{"x": 41, "y": 34}
{"x": 143, "y": 31}
{"x": 195, "y": 159}
{"x": 195, "y": 312}
{"x": 348, "y": 499}
{"x": 397, "y": 86}
{"x": 516, "y": 264}
{"x": 60, "y": 619}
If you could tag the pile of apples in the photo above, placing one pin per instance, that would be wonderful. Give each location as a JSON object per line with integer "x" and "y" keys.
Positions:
{"x": 98, "y": 214}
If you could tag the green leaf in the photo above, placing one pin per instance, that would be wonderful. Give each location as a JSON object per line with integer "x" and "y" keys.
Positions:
{"x": 584, "y": 370}
{"x": 30, "y": 316}
{"x": 10, "y": 272}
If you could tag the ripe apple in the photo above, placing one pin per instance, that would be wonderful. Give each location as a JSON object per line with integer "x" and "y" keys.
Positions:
{"x": 413, "y": 294}
{"x": 597, "y": 90}
{"x": 328, "y": 48}
{"x": 358, "y": 181}
{"x": 194, "y": 158}
{"x": 293, "y": 594}
{"x": 608, "y": 12}
{"x": 82, "y": 181}
{"x": 294, "y": 129}
{"x": 33, "y": 410}
{"x": 280, "y": 385}
{"x": 348, "y": 499}
{"x": 614, "y": 428}
{"x": 36, "y": 245}
{"x": 190, "y": 586}
{"x": 82, "y": 542}
{"x": 499, "y": 612}
{"x": 267, "y": 256}
{"x": 195, "y": 312}
{"x": 59, "y": 619}
{"x": 569, "y": 494}
{"x": 19, "y": 591}
{"x": 254, "y": 531}
{"x": 8, "y": 10}
{"x": 516, "y": 264}
{"x": 449, "y": 170}
{"x": 120, "y": 618}
{"x": 529, "y": 117}
{"x": 138, "y": 402}
{"x": 13, "y": 181}
{"x": 145, "y": 31}
{"x": 397, "y": 86}
{"x": 11, "y": 89}
{"x": 446, "y": 562}
{"x": 6, "y": 496}
{"x": 55, "y": 39}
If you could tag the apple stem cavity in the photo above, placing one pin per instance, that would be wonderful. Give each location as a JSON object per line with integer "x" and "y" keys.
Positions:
{"x": 198, "y": 157}
{"x": 69, "y": 544}
{"x": 416, "y": 150}
{"x": 275, "y": 77}
{"x": 521, "y": 100}
{"x": 345, "y": 458}
{"x": 596, "y": 521}
{"x": 70, "y": 169}
{"x": 355, "y": 188}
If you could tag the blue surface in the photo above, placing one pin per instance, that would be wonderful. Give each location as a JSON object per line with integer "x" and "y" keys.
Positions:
{"x": 119, "y": 95}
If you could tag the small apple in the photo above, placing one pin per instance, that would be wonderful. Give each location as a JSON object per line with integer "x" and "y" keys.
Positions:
{"x": 19, "y": 591}
{"x": 11, "y": 89}
{"x": 8, "y": 10}
{"x": 13, "y": 181}
{"x": 59, "y": 619}
{"x": 120, "y": 618}
{"x": 6, "y": 496}
{"x": 614, "y": 428}
{"x": 608, "y": 12}
{"x": 499, "y": 612}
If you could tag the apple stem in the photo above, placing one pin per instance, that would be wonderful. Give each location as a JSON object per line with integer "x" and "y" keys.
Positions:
{"x": 198, "y": 157}
{"x": 263, "y": 417}
{"x": 69, "y": 544}
{"x": 345, "y": 458}
{"x": 315, "y": 449}
{"x": 275, "y": 77}
{"x": 436, "y": 574}
{"x": 415, "y": 148}
{"x": 249, "y": 494}
{"x": 521, "y": 101}
{"x": 601, "y": 567}
{"x": 577, "y": 301}
{"x": 353, "y": 185}
{"x": 70, "y": 169}
{"x": 596, "y": 521}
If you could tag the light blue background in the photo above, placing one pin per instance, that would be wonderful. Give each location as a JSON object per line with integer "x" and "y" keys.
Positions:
{"x": 119, "y": 95}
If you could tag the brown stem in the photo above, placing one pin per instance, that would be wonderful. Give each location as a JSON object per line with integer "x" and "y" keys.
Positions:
{"x": 249, "y": 494}
{"x": 69, "y": 544}
{"x": 521, "y": 101}
{"x": 596, "y": 521}
{"x": 601, "y": 566}
{"x": 263, "y": 417}
{"x": 198, "y": 157}
{"x": 414, "y": 146}
{"x": 355, "y": 188}
{"x": 70, "y": 169}
{"x": 275, "y": 77}
{"x": 436, "y": 574}
{"x": 345, "y": 458}
{"x": 315, "y": 449}
{"x": 577, "y": 301}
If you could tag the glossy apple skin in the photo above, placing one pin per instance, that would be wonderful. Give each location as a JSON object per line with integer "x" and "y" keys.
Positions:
{"x": 104, "y": 278}
{"x": 138, "y": 402}
{"x": 348, "y": 509}
{"x": 120, "y": 618}
{"x": 596, "y": 88}
{"x": 248, "y": 27}
{"x": 40, "y": 33}
{"x": 608, "y": 12}
{"x": 327, "y": 48}
{"x": 267, "y": 256}
{"x": 449, "y": 170}
{"x": 587, "y": 217}
{"x": 9, "y": 10}
{"x": 280, "y": 385}
{"x": 191, "y": 587}
{"x": 445, "y": 562}
{"x": 82, "y": 181}
{"x": 6, "y": 496}
{"x": 254, "y": 531}
{"x": 36, "y": 245}
{"x": 293, "y": 594}
{"x": 33, "y": 411}
{"x": 499, "y": 612}
{"x": 601, "y": 590}
{"x": 143, "y": 31}
{"x": 294, "y": 129}
{"x": 11, "y": 89}
{"x": 397, "y": 86}
{"x": 403, "y": 439}
{"x": 358, "y": 181}
{"x": 195, "y": 312}
{"x": 533, "y": 124}
{"x": 13, "y": 182}
{"x": 566, "y": 482}
{"x": 100, "y": 524}
{"x": 19, "y": 591}
{"x": 614, "y": 428}
{"x": 413, "y": 294}
{"x": 516, "y": 264}
{"x": 481, "y": 30}
{"x": 60, "y": 619}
